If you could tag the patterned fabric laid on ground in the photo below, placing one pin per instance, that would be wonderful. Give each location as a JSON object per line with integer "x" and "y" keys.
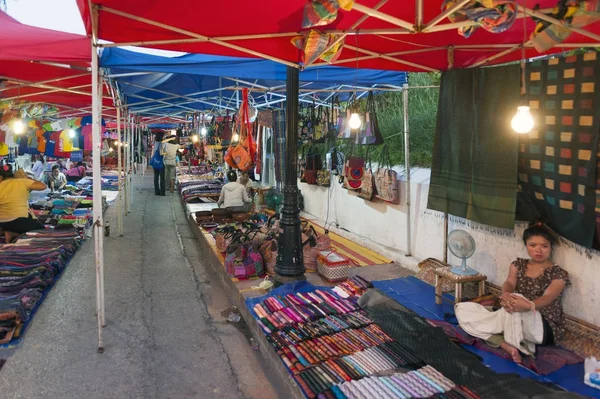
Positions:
{"x": 547, "y": 360}
{"x": 558, "y": 159}
{"x": 474, "y": 169}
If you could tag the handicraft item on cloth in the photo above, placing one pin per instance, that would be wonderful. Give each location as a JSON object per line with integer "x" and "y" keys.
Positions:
{"x": 474, "y": 166}
{"x": 243, "y": 260}
{"x": 573, "y": 13}
{"x": 386, "y": 179}
{"x": 558, "y": 159}
{"x": 495, "y": 16}
{"x": 323, "y": 12}
{"x": 317, "y": 45}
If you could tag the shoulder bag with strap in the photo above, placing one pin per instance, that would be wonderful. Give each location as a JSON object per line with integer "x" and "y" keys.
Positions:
{"x": 367, "y": 186}
{"x": 386, "y": 179}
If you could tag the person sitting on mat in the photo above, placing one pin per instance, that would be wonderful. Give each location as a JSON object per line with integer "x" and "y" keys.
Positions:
{"x": 77, "y": 173}
{"x": 234, "y": 195}
{"x": 15, "y": 218}
{"x": 533, "y": 285}
{"x": 57, "y": 180}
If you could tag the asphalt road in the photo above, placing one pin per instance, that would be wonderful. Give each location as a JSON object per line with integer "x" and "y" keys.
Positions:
{"x": 166, "y": 336}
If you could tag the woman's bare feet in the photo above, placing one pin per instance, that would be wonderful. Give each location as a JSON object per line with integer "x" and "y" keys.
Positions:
{"x": 512, "y": 351}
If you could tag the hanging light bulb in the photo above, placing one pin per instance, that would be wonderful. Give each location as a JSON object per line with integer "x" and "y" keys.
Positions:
{"x": 18, "y": 127}
{"x": 110, "y": 149}
{"x": 354, "y": 121}
{"x": 203, "y": 131}
{"x": 71, "y": 133}
{"x": 195, "y": 138}
{"x": 522, "y": 122}
{"x": 236, "y": 137}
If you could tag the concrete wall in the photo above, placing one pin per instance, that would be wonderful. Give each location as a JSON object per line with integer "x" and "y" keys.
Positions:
{"x": 382, "y": 227}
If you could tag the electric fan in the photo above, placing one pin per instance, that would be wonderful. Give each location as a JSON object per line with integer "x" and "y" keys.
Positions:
{"x": 462, "y": 245}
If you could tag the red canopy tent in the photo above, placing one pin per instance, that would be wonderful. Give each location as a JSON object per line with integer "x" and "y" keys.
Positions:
{"x": 45, "y": 66}
{"x": 379, "y": 34}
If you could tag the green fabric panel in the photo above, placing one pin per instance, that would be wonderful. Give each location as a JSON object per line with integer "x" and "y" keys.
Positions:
{"x": 474, "y": 169}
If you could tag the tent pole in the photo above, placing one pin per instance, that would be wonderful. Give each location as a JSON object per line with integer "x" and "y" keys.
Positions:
{"x": 407, "y": 169}
{"x": 290, "y": 260}
{"x": 97, "y": 189}
{"x": 120, "y": 172}
{"x": 100, "y": 89}
{"x": 130, "y": 165}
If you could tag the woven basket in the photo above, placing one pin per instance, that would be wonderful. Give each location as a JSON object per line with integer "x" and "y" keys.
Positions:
{"x": 333, "y": 266}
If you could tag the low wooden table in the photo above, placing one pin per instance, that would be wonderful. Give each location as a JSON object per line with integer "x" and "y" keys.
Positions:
{"x": 458, "y": 280}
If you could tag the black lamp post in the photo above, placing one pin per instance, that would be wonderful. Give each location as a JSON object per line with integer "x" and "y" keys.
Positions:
{"x": 290, "y": 262}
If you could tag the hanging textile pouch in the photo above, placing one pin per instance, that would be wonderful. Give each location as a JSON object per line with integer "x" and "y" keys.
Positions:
{"x": 386, "y": 179}
{"x": 313, "y": 164}
{"x": 369, "y": 134}
{"x": 367, "y": 186}
{"x": 353, "y": 172}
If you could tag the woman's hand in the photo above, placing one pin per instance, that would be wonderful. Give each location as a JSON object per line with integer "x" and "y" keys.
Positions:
{"x": 515, "y": 303}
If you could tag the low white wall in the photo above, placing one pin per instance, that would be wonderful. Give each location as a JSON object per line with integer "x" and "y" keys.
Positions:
{"x": 382, "y": 228}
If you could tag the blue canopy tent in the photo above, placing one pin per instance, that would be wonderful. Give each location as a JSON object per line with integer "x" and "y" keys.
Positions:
{"x": 156, "y": 86}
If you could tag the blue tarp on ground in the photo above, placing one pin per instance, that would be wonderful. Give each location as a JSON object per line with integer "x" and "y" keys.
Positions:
{"x": 192, "y": 74}
{"x": 418, "y": 296}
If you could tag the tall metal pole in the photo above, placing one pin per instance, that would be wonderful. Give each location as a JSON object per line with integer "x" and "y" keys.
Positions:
{"x": 97, "y": 187}
{"x": 290, "y": 260}
{"x": 120, "y": 171}
{"x": 407, "y": 169}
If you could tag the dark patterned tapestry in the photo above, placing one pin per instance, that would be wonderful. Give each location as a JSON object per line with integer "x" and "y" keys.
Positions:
{"x": 474, "y": 168}
{"x": 558, "y": 159}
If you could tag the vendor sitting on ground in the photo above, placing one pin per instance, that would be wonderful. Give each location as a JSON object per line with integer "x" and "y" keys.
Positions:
{"x": 533, "y": 285}
{"x": 234, "y": 195}
{"x": 15, "y": 218}
{"x": 57, "y": 180}
{"x": 77, "y": 173}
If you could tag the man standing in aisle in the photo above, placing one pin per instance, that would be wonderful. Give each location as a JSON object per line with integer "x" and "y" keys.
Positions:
{"x": 169, "y": 151}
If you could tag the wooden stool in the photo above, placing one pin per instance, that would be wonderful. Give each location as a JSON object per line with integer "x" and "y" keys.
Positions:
{"x": 458, "y": 280}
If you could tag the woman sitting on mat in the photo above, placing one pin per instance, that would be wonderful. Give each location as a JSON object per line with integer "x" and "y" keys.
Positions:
{"x": 533, "y": 285}
{"x": 15, "y": 218}
{"x": 77, "y": 173}
{"x": 234, "y": 195}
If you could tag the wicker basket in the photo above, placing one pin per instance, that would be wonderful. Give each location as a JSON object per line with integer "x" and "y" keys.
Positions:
{"x": 333, "y": 266}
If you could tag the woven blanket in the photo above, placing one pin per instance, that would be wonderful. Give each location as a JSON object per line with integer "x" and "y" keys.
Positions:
{"x": 474, "y": 170}
{"x": 558, "y": 159}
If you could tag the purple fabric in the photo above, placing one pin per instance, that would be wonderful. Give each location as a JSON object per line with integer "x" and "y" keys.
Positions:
{"x": 548, "y": 359}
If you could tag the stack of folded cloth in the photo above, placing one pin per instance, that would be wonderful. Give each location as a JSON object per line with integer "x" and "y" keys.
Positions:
{"x": 28, "y": 268}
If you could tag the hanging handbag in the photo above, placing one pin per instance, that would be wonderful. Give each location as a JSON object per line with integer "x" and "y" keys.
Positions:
{"x": 367, "y": 186}
{"x": 353, "y": 172}
{"x": 302, "y": 165}
{"x": 243, "y": 260}
{"x": 369, "y": 133}
{"x": 324, "y": 176}
{"x": 386, "y": 179}
{"x": 157, "y": 160}
{"x": 268, "y": 251}
{"x": 313, "y": 164}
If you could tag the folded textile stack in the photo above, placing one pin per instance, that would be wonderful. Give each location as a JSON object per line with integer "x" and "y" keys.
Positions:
{"x": 194, "y": 190}
{"x": 334, "y": 349}
{"x": 27, "y": 269}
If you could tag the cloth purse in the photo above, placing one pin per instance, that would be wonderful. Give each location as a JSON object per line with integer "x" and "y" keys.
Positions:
{"x": 313, "y": 164}
{"x": 354, "y": 172}
{"x": 243, "y": 260}
{"x": 367, "y": 185}
{"x": 386, "y": 179}
{"x": 369, "y": 133}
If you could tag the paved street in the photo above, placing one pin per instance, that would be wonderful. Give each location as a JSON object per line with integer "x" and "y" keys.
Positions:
{"x": 166, "y": 336}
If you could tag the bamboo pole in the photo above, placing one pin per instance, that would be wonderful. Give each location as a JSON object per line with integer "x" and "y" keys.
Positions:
{"x": 45, "y": 81}
{"x": 197, "y": 36}
{"x": 383, "y": 17}
{"x": 146, "y": 43}
{"x": 419, "y": 16}
{"x": 498, "y": 55}
{"x": 386, "y": 57}
{"x": 97, "y": 198}
{"x": 445, "y": 14}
